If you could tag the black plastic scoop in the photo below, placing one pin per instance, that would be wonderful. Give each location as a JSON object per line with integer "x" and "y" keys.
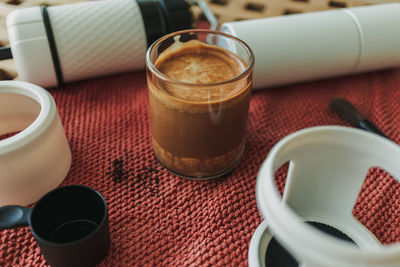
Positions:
{"x": 70, "y": 224}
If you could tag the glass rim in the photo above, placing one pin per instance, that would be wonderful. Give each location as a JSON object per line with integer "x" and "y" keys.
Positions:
{"x": 165, "y": 78}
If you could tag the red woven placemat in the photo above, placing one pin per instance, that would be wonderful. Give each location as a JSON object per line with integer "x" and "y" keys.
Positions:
{"x": 157, "y": 218}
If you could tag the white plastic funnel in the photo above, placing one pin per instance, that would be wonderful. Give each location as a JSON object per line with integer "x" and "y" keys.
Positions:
{"x": 328, "y": 166}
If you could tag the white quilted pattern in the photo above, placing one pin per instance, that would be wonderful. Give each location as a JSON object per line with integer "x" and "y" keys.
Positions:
{"x": 98, "y": 38}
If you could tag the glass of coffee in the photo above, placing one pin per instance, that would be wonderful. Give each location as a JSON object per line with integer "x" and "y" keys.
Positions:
{"x": 199, "y": 84}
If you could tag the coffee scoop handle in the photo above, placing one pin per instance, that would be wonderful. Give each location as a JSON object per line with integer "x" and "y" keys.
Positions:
{"x": 13, "y": 216}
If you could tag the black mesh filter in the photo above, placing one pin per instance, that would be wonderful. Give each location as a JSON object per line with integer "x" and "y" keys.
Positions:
{"x": 278, "y": 256}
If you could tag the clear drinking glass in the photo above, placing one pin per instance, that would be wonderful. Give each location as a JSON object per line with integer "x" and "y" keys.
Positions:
{"x": 199, "y": 84}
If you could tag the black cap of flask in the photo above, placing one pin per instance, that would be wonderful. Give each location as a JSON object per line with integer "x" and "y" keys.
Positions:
{"x": 177, "y": 14}
{"x": 153, "y": 20}
{"x": 164, "y": 16}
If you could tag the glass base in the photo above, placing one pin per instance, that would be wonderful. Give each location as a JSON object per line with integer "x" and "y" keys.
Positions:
{"x": 203, "y": 178}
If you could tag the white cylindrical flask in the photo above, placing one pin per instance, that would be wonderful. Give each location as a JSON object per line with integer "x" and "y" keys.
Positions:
{"x": 57, "y": 44}
{"x": 303, "y": 47}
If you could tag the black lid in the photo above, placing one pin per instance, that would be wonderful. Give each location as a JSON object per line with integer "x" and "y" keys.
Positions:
{"x": 153, "y": 20}
{"x": 177, "y": 14}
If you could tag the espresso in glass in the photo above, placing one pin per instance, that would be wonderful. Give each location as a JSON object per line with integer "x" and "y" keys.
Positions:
{"x": 199, "y": 85}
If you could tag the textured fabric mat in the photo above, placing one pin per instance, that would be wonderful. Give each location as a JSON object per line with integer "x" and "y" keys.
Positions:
{"x": 159, "y": 219}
